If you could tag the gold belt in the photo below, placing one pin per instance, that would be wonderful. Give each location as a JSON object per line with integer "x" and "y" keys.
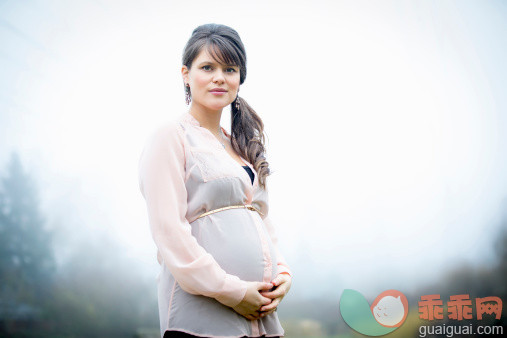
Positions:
{"x": 246, "y": 206}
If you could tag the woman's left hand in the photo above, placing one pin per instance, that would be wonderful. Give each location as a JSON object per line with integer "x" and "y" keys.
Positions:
{"x": 281, "y": 285}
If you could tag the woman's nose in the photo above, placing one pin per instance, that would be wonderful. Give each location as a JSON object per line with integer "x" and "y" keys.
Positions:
{"x": 218, "y": 77}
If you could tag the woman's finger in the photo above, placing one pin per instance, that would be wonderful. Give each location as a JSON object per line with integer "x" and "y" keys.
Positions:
{"x": 264, "y": 314}
{"x": 271, "y": 306}
{"x": 280, "y": 279}
{"x": 280, "y": 291}
{"x": 253, "y": 316}
{"x": 273, "y": 294}
{"x": 249, "y": 317}
{"x": 264, "y": 286}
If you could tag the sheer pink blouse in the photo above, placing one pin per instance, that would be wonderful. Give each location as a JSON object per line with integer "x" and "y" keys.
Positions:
{"x": 206, "y": 262}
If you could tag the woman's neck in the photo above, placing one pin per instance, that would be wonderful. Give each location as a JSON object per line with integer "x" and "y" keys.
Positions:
{"x": 209, "y": 119}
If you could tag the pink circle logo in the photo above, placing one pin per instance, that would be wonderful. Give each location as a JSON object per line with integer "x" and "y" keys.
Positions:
{"x": 390, "y": 308}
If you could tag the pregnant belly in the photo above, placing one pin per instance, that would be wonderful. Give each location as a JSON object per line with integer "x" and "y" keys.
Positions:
{"x": 239, "y": 242}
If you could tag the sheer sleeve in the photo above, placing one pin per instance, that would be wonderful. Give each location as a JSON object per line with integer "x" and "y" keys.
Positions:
{"x": 162, "y": 184}
{"x": 283, "y": 267}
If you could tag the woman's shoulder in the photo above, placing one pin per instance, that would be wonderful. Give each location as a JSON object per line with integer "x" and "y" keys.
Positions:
{"x": 168, "y": 134}
{"x": 170, "y": 129}
{"x": 172, "y": 133}
{"x": 176, "y": 125}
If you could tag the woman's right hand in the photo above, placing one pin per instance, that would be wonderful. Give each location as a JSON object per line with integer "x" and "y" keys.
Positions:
{"x": 253, "y": 300}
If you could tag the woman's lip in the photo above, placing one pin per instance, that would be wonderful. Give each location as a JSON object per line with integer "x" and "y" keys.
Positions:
{"x": 217, "y": 92}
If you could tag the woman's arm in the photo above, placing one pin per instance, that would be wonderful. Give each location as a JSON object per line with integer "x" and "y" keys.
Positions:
{"x": 283, "y": 281}
{"x": 162, "y": 184}
{"x": 282, "y": 265}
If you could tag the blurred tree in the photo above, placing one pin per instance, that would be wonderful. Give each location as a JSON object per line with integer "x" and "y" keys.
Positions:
{"x": 97, "y": 292}
{"x": 26, "y": 258}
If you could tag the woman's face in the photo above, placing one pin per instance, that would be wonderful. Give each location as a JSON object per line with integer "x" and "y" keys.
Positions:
{"x": 212, "y": 85}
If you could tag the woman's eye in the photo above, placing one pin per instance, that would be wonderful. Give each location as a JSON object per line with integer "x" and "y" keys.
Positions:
{"x": 231, "y": 70}
{"x": 206, "y": 67}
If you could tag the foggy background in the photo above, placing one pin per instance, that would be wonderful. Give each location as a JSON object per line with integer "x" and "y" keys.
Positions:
{"x": 386, "y": 125}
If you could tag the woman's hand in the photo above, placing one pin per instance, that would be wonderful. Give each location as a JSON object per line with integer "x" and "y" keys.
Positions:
{"x": 282, "y": 284}
{"x": 253, "y": 300}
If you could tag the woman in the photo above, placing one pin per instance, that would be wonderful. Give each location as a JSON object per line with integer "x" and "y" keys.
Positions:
{"x": 205, "y": 190}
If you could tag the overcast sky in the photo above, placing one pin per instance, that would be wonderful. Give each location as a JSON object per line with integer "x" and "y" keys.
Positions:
{"x": 386, "y": 123}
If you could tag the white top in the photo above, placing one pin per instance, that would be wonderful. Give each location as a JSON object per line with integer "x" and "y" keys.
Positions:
{"x": 183, "y": 172}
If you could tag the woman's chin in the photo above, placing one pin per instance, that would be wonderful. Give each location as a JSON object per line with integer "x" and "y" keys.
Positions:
{"x": 216, "y": 106}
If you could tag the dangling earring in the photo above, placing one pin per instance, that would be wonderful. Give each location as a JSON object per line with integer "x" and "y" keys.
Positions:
{"x": 187, "y": 94}
{"x": 237, "y": 102}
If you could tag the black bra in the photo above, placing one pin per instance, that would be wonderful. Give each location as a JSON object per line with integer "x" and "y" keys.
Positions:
{"x": 250, "y": 172}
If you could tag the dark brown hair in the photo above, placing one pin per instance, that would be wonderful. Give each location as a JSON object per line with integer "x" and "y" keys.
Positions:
{"x": 247, "y": 130}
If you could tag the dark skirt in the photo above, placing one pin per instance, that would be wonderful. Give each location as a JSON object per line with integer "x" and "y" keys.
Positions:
{"x": 178, "y": 334}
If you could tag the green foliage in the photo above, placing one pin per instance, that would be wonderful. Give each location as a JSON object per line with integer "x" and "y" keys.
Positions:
{"x": 26, "y": 257}
{"x": 96, "y": 293}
